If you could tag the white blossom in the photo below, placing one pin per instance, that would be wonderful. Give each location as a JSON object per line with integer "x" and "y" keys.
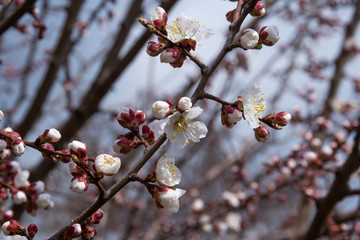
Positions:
{"x": 3, "y": 145}
{"x": 184, "y": 104}
{"x": 18, "y": 147}
{"x": 75, "y": 145}
{"x": 254, "y": 104}
{"x": 53, "y": 135}
{"x": 19, "y": 197}
{"x": 169, "y": 200}
{"x": 235, "y": 116}
{"x": 107, "y": 164}
{"x": 269, "y": 35}
{"x": 21, "y": 179}
{"x": 1, "y": 112}
{"x": 249, "y": 38}
{"x": 160, "y": 109}
{"x": 185, "y": 27}
{"x": 44, "y": 201}
{"x": 180, "y": 130}
{"x": 166, "y": 171}
{"x": 158, "y": 14}
{"x": 233, "y": 220}
{"x": 231, "y": 198}
{"x": 77, "y": 186}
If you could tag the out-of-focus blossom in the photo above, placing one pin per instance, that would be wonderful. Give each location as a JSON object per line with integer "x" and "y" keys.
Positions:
{"x": 44, "y": 201}
{"x": 259, "y": 10}
{"x": 18, "y": 147}
{"x": 21, "y": 179}
{"x": 233, "y": 220}
{"x": 79, "y": 184}
{"x": 19, "y": 197}
{"x": 269, "y": 35}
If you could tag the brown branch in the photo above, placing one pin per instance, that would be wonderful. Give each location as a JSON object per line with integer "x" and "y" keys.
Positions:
{"x": 342, "y": 59}
{"x": 11, "y": 20}
{"x": 234, "y": 28}
{"x": 58, "y": 58}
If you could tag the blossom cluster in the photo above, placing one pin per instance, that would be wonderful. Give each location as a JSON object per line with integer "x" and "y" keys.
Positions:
{"x": 251, "y": 107}
{"x": 161, "y": 184}
{"x": 183, "y": 34}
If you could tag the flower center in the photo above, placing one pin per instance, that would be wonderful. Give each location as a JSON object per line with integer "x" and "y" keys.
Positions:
{"x": 109, "y": 160}
{"x": 259, "y": 106}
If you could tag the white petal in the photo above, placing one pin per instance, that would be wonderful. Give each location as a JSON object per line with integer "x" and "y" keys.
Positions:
{"x": 193, "y": 112}
{"x": 157, "y": 126}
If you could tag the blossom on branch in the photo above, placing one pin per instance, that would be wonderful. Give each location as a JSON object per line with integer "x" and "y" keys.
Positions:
{"x": 230, "y": 115}
{"x": 49, "y": 136}
{"x": 106, "y": 164}
{"x": 161, "y": 109}
{"x": 159, "y": 19}
{"x": 269, "y": 35}
{"x": 259, "y": 10}
{"x": 166, "y": 172}
{"x": 12, "y": 227}
{"x": 167, "y": 199}
{"x": 254, "y": 104}
{"x": 185, "y": 27}
{"x": 79, "y": 184}
{"x": 78, "y": 148}
{"x": 248, "y": 39}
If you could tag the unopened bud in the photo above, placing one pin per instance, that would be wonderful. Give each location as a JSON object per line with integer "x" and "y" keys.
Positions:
{"x": 248, "y": 39}
{"x": 73, "y": 231}
{"x": 259, "y": 10}
{"x": 12, "y": 227}
{"x": 154, "y": 48}
{"x": 1, "y": 115}
{"x": 183, "y": 104}
{"x": 130, "y": 119}
{"x": 161, "y": 109}
{"x": 230, "y": 16}
{"x": 261, "y": 133}
{"x": 170, "y": 55}
{"x": 230, "y": 116}
{"x": 49, "y": 136}
{"x": 32, "y": 230}
{"x": 96, "y": 217}
{"x": 126, "y": 143}
{"x": 88, "y": 233}
{"x": 269, "y": 35}
{"x": 78, "y": 148}
{"x": 18, "y": 147}
{"x": 79, "y": 184}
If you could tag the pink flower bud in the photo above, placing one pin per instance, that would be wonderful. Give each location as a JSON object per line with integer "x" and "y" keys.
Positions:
{"x": 159, "y": 19}
{"x": 249, "y": 39}
{"x": 7, "y": 215}
{"x": 49, "y": 136}
{"x": 96, "y": 217}
{"x": 148, "y": 135}
{"x": 32, "y": 230}
{"x": 64, "y": 159}
{"x": 154, "y": 48}
{"x": 3, "y": 194}
{"x": 12, "y": 166}
{"x": 130, "y": 119}
{"x": 261, "y": 133}
{"x": 170, "y": 55}
{"x": 88, "y": 233}
{"x": 73, "y": 231}
{"x": 282, "y": 118}
{"x": 12, "y": 227}
{"x": 269, "y": 35}
{"x": 259, "y": 10}
{"x": 126, "y": 143}
{"x": 18, "y": 147}
{"x": 230, "y": 16}
{"x": 36, "y": 187}
{"x": 183, "y": 104}
{"x": 78, "y": 148}
{"x": 230, "y": 116}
